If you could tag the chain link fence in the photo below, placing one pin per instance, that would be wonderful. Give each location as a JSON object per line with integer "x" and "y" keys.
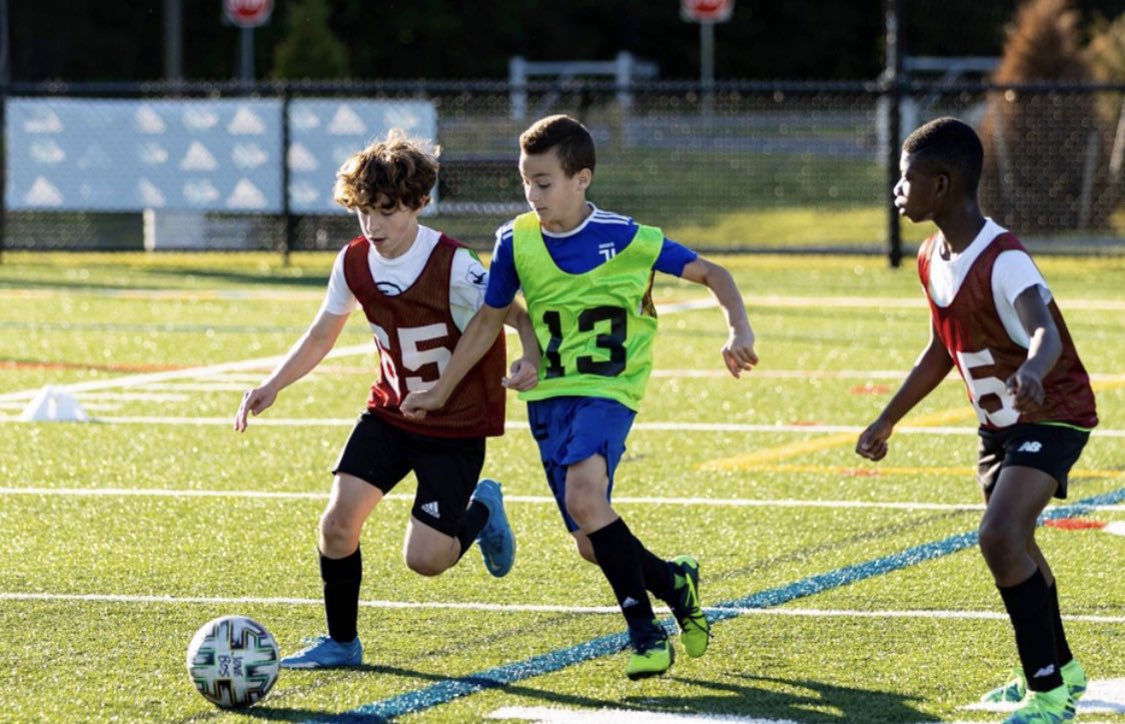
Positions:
{"x": 797, "y": 167}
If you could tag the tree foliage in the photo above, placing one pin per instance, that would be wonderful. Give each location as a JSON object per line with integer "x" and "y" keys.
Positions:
{"x": 1044, "y": 151}
{"x": 448, "y": 39}
{"x": 309, "y": 49}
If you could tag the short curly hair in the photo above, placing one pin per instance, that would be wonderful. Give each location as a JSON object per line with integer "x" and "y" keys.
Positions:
{"x": 402, "y": 170}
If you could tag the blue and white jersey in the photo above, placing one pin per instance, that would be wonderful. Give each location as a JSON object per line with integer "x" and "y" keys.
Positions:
{"x": 596, "y": 240}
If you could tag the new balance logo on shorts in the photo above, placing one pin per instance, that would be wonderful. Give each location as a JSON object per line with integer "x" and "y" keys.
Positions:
{"x": 1031, "y": 446}
{"x": 431, "y": 509}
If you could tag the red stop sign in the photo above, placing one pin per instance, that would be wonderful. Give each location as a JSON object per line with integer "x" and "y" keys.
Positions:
{"x": 248, "y": 13}
{"x": 706, "y": 11}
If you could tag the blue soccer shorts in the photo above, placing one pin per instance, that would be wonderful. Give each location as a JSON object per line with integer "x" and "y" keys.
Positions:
{"x": 572, "y": 429}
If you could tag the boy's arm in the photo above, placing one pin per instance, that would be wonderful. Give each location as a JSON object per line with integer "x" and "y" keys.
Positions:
{"x": 931, "y": 368}
{"x": 525, "y": 370}
{"x": 303, "y": 356}
{"x": 1026, "y": 385}
{"x": 738, "y": 353}
{"x": 475, "y": 341}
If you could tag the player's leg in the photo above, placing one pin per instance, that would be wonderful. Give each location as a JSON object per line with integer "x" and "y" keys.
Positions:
{"x": 1019, "y": 496}
{"x": 369, "y": 466}
{"x": 1050, "y": 450}
{"x": 675, "y": 582}
{"x": 1073, "y": 674}
{"x": 581, "y": 441}
{"x": 341, "y": 570}
{"x": 619, "y": 555}
{"x": 452, "y": 509}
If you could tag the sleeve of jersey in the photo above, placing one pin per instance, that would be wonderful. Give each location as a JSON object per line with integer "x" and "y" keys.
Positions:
{"x": 339, "y": 298}
{"x": 467, "y": 282}
{"x": 1012, "y": 273}
{"x": 503, "y": 281}
{"x": 673, "y": 258}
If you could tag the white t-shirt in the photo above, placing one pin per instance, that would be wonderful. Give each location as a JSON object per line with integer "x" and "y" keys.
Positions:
{"x": 1013, "y": 272}
{"x": 467, "y": 280}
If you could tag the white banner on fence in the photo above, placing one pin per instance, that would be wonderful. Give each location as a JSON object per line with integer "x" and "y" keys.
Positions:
{"x": 190, "y": 155}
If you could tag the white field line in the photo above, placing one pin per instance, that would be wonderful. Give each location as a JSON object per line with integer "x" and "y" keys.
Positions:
{"x": 189, "y": 372}
{"x": 914, "y": 302}
{"x": 520, "y": 425}
{"x": 525, "y": 608}
{"x": 220, "y": 385}
{"x": 559, "y": 715}
{"x": 134, "y": 396}
{"x": 528, "y": 499}
{"x": 831, "y": 374}
{"x": 759, "y": 300}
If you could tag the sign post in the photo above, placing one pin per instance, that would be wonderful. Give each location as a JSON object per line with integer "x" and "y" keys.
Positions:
{"x": 247, "y": 14}
{"x": 706, "y": 13}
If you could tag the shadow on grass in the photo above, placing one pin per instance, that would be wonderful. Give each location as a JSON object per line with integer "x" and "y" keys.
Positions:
{"x": 273, "y": 709}
{"x": 792, "y": 699}
{"x": 789, "y": 699}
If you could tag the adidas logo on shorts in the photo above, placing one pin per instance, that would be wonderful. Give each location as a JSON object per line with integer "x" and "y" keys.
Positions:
{"x": 431, "y": 509}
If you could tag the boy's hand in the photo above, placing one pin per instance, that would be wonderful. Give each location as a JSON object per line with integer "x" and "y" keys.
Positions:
{"x": 738, "y": 354}
{"x": 524, "y": 375}
{"x": 253, "y": 401}
{"x": 416, "y": 404}
{"x": 872, "y": 442}
{"x": 1026, "y": 389}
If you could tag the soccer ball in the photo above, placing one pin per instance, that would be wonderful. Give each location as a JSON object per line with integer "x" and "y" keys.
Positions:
{"x": 233, "y": 661}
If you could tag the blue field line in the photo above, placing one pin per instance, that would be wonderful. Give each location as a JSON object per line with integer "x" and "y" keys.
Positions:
{"x": 450, "y": 689}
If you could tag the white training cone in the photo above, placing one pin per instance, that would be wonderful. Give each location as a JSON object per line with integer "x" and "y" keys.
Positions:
{"x": 53, "y": 404}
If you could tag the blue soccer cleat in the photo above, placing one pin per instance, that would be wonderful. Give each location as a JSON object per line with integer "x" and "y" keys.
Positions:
{"x": 324, "y": 652}
{"x": 497, "y": 544}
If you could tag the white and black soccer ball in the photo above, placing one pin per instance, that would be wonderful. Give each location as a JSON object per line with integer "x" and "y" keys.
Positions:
{"x": 233, "y": 661}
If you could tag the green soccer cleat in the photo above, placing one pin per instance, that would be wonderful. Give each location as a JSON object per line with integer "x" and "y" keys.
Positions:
{"x": 1010, "y": 692}
{"x": 695, "y": 631}
{"x": 652, "y": 654}
{"x": 1074, "y": 676}
{"x": 1044, "y": 707}
{"x": 1015, "y": 689}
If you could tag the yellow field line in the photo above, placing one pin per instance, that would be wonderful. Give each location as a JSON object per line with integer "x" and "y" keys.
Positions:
{"x": 793, "y": 449}
{"x": 748, "y": 461}
{"x": 903, "y": 470}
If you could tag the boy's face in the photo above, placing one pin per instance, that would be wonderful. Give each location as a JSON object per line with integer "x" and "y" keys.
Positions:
{"x": 391, "y": 228}
{"x": 557, "y": 199}
{"x": 919, "y": 190}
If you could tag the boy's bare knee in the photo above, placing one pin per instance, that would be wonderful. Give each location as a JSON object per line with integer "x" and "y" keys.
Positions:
{"x": 426, "y": 564}
{"x": 582, "y": 502}
{"x": 338, "y": 537}
{"x": 1000, "y": 543}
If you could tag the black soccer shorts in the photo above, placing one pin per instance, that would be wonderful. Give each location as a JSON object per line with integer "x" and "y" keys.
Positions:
{"x": 447, "y": 468}
{"x": 1051, "y": 448}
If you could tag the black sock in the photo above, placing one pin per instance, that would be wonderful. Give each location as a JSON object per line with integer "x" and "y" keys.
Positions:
{"x": 1061, "y": 646}
{"x": 341, "y": 578}
{"x": 476, "y": 515}
{"x": 660, "y": 575}
{"x": 1029, "y": 608}
{"x": 619, "y": 556}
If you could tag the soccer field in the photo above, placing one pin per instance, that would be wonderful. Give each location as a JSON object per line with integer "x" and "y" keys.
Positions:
{"x": 839, "y": 589}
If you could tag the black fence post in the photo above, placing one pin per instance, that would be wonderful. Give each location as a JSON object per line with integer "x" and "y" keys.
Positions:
{"x": 893, "y": 78}
{"x": 3, "y": 166}
{"x": 290, "y": 221}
